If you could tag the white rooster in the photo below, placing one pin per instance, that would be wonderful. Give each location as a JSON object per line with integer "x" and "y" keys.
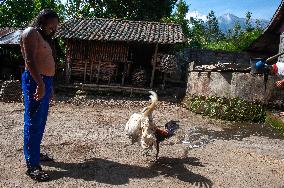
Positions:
{"x": 141, "y": 128}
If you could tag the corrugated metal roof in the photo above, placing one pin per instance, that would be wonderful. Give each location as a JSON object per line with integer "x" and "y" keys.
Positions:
{"x": 11, "y": 38}
{"x": 121, "y": 30}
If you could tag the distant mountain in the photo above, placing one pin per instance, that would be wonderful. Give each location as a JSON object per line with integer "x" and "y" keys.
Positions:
{"x": 228, "y": 21}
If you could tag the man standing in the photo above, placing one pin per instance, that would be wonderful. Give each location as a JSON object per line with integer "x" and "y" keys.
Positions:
{"x": 37, "y": 49}
{"x": 276, "y": 69}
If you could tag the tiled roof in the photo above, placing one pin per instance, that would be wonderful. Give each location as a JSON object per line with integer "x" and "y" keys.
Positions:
{"x": 268, "y": 41}
{"x": 277, "y": 17}
{"x": 6, "y": 30}
{"x": 121, "y": 30}
{"x": 11, "y": 38}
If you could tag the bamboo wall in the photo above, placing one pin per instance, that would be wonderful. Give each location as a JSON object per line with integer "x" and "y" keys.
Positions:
{"x": 97, "y": 51}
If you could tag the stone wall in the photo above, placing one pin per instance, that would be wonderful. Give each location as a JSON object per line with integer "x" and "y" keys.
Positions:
{"x": 233, "y": 85}
{"x": 239, "y": 83}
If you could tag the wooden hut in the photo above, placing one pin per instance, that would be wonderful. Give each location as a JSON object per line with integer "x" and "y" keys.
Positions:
{"x": 11, "y": 61}
{"x": 268, "y": 43}
{"x": 118, "y": 52}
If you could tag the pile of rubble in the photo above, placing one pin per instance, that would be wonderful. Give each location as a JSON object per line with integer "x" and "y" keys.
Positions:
{"x": 219, "y": 67}
{"x": 11, "y": 91}
{"x": 166, "y": 62}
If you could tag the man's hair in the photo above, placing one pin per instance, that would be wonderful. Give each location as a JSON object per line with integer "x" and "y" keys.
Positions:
{"x": 43, "y": 16}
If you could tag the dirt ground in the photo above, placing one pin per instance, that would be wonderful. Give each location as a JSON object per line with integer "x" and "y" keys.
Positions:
{"x": 91, "y": 149}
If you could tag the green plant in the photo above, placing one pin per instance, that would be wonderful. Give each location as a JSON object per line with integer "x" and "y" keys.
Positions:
{"x": 227, "y": 109}
{"x": 275, "y": 122}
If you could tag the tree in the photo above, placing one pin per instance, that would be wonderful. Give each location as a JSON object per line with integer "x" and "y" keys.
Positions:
{"x": 77, "y": 8}
{"x": 257, "y": 24}
{"x": 16, "y": 13}
{"x": 179, "y": 17}
{"x": 20, "y": 13}
{"x": 153, "y": 10}
{"x": 197, "y": 38}
{"x": 248, "y": 25}
{"x": 235, "y": 39}
{"x": 213, "y": 31}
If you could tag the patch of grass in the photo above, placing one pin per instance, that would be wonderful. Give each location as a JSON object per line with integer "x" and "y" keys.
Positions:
{"x": 227, "y": 109}
{"x": 275, "y": 122}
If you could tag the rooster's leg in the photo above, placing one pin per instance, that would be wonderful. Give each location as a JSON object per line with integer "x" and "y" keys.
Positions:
{"x": 157, "y": 149}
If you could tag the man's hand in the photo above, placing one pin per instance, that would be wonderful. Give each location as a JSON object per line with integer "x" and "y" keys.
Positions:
{"x": 40, "y": 92}
{"x": 279, "y": 83}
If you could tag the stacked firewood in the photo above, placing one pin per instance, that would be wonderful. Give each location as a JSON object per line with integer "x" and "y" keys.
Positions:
{"x": 139, "y": 78}
{"x": 165, "y": 62}
{"x": 11, "y": 91}
{"x": 107, "y": 71}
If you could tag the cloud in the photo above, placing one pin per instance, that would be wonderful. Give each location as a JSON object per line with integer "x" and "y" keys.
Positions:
{"x": 196, "y": 14}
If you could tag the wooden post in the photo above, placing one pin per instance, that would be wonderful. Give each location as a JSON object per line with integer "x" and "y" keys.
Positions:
{"x": 123, "y": 74}
{"x": 85, "y": 71}
{"x": 98, "y": 75}
{"x": 109, "y": 78}
{"x": 68, "y": 71}
{"x": 91, "y": 71}
{"x": 116, "y": 72}
{"x": 154, "y": 66}
{"x": 164, "y": 81}
{"x": 67, "y": 65}
{"x": 128, "y": 67}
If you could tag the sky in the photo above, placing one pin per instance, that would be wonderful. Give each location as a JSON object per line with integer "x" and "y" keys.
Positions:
{"x": 260, "y": 9}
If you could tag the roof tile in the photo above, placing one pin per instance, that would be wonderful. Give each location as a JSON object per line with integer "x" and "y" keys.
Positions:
{"x": 121, "y": 30}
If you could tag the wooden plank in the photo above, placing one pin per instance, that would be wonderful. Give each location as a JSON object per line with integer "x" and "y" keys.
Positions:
{"x": 110, "y": 86}
{"x": 98, "y": 75}
{"x": 154, "y": 66}
{"x": 123, "y": 74}
{"x": 109, "y": 79}
{"x": 85, "y": 71}
{"x": 91, "y": 71}
{"x": 68, "y": 71}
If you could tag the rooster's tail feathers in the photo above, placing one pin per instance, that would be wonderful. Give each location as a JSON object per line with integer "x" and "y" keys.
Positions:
{"x": 154, "y": 99}
{"x": 171, "y": 127}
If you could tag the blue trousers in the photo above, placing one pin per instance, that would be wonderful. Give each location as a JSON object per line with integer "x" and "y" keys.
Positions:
{"x": 35, "y": 117}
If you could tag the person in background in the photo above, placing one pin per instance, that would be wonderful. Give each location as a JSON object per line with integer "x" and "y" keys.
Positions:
{"x": 38, "y": 52}
{"x": 276, "y": 69}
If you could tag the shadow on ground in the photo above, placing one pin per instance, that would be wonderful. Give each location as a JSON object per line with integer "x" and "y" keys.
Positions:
{"x": 101, "y": 95}
{"x": 114, "y": 173}
{"x": 238, "y": 131}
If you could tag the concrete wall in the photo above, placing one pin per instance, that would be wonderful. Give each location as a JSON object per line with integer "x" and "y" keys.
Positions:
{"x": 233, "y": 85}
